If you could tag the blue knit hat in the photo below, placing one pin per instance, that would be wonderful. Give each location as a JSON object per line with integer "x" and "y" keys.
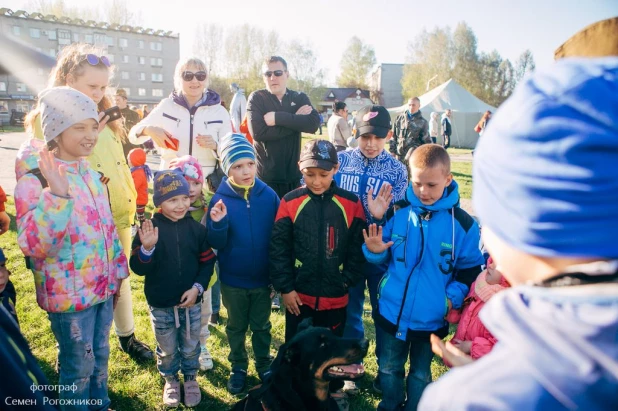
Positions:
{"x": 168, "y": 184}
{"x": 544, "y": 171}
{"x": 233, "y": 147}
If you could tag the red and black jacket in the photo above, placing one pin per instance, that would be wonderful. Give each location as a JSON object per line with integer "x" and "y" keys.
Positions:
{"x": 316, "y": 246}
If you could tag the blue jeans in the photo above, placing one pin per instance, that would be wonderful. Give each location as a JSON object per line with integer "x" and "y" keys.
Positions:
{"x": 83, "y": 340}
{"x": 354, "y": 321}
{"x": 175, "y": 351}
{"x": 216, "y": 293}
{"x": 392, "y": 363}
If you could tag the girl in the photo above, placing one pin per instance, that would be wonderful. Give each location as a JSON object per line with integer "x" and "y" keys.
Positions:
{"x": 66, "y": 229}
{"x": 82, "y": 68}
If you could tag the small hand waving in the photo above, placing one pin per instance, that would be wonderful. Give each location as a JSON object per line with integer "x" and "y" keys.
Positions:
{"x": 218, "y": 211}
{"x": 148, "y": 234}
{"x": 54, "y": 173}
{"x": 374, "y": 241}
{"x": 378, "y": 205}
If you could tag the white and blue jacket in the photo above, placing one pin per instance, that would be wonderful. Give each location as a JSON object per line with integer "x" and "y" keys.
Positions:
{"x": 435, "y": 256}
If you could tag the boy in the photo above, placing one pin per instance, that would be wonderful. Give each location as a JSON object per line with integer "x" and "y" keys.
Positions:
{"x": 371, "y": 173}
{"x": 433, "y": 259}
{"x": 547, "y": 195}
{"x": 141, "y": 174}
{"x": 172, "y": 251}
{"x": 240, "y": 223}
{"x": 192, "y": 170}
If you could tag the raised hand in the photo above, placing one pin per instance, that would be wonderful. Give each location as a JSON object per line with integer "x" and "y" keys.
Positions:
{"x": 304, "y": 110}
{"x": 55, "y": 173}
{"x": 373, "y": 240}
{"x": 148, "y": 235}
{"x": 378, "y": 205}
{"x": 218, "y": 211}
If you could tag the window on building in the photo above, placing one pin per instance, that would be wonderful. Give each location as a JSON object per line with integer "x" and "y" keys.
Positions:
{"x": 52, "y": 52}
{"x": 109, "y": 40}
{"x": 157, "y": 92}
{"x": 16, "y": 31}
{"x": 157, "y": 77}
{"x": 35, "y": 33}
{"x": 123, "y": 43}
{"x": 21, "y": 87}
{"x": 141, "y": 60}
{"x": 64, "y": 37}
{"x": 141, "y": 91}
{"x": 125, "y": 59}
{"x": 156, "y": 61}
{"x": 124, "y": 75}
{"x": 140, "y": 44}
{"x": 142, "y": 76}
{"x": 2, "y": 86}
{"x": 88, "y": 38}
{"x": 75, "y": 37}
{"x": 100, "y": 39}
{"x": 51, "y": 34}
{"x": 156, "y": 46}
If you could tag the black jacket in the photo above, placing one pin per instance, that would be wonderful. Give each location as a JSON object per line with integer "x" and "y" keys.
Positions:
{"x": 278, "y": 147}
{"x": 316, "y": 243}
{"x": 181, "y": 258}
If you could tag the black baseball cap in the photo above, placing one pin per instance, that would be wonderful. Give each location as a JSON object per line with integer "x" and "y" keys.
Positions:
{"x": 374, "y": 120}
{"x": 318, "y": 153}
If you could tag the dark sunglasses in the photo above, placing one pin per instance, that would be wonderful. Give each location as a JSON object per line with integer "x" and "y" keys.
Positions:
{"x": 93, "y": 60}
{"x": 277, "y": 73}
{"x": 188, "y": 75}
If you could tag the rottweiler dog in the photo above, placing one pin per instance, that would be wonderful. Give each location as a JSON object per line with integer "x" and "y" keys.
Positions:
{"x": 302, "y": 372}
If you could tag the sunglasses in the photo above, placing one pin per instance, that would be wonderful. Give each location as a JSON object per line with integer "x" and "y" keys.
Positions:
{"x": 188, "y": 75}
{"x": 277, "y": 73}
{"x": 93, "y": 60}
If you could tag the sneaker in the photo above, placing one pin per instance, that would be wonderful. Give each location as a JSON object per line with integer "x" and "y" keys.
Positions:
{"x": 135, "y": 348}
{"x": 341, "y": 398}
{"x": 236, "y": 383}
{"x": 193, "y": 396}
{"x": 205, "y": 360}
{"x": 275, "y": 305}
{"x": 350, "y": 388}
{"x": 171, "y": 393}
{"x": 214, "y": 319}
{"x": 376, "y": 385}
{"x": 264, "y": 375}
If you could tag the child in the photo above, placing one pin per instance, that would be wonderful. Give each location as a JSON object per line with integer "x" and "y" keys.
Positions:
{"x": 240, "y": 223}
{"x": 141, "y": 176}
{"x": 5, "y": 221}
{"x": 546, "y": 193}
{"x": 173, "y": 253}
{"x": 432, "y": 260}
{"x": 65, "y": 227}
{"x": 471, "y": 336}
{"x": 192, "y": 170}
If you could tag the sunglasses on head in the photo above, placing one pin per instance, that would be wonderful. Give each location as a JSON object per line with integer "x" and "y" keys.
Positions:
{"x": 93, "y": 60}
{"x": 188, "y": 75}
{"x": 277, "y": 73}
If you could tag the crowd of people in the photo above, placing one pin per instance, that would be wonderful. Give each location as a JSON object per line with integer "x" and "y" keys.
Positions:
{"x": 320, "y": 223}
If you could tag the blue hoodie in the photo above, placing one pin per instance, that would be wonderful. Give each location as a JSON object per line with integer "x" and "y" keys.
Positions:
{"x": 557, "y": 349}
{"x": 435, "y": 256}
{"x": 242, "y": 237}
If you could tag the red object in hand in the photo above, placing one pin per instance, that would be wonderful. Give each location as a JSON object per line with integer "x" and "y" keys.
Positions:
{"x": 174, "y": 145}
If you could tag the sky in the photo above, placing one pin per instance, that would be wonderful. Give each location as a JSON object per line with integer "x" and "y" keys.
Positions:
{"x": 508, "y": 26}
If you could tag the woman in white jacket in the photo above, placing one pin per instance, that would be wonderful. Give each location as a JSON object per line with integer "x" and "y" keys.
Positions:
{"x": 190, "y": 121}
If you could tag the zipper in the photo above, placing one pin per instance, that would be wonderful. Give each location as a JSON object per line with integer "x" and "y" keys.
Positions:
{"x": 107, "y": 262}
{"x": 191, "y": 134}
{"x": 321, "y": 247}
{"x": 405, "y": 290}
{"x": 251, "y": 231}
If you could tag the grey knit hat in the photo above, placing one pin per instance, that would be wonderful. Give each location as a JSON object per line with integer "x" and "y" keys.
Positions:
{"x": 62, "y": 107}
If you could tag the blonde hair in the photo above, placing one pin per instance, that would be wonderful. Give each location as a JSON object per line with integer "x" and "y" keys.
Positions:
{"x": 72, "y": 61}
{"x": 429, "y": 156}
{"x": 182, "y": 66}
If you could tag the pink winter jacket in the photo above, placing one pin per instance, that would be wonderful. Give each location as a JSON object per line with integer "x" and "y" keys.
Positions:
{"x": 74, "y": 250}
{"x": 470, "y": 327}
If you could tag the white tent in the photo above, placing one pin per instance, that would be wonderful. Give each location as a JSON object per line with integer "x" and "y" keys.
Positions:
{"x": 467, "y": 111}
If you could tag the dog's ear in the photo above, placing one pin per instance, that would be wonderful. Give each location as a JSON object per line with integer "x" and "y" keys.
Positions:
{"x": 304, "y": 324}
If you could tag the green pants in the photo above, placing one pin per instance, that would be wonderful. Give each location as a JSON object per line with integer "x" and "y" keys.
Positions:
{"x": 248, "y": 308}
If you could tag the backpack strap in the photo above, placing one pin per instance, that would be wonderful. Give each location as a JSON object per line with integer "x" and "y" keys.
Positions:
{"x": 37, "y": 173}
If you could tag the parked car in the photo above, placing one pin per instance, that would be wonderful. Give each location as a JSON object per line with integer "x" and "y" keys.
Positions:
{"x": 17, "y": 118}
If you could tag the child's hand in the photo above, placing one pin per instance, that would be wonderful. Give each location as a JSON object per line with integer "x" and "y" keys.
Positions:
{"x": 4, "y": 277}
{"x": 377, "y": 206}
{"x": 148, "y": 234}
{"x": 54, "y": 173}
{"x": 5, "y": 222}
{"x": 218, "y": 211}
{"x": 103, "y": 118}
{"x": 117, "y": 295}
{"x": 292, "y": 302}
{"x": 465, "y": 346}
{"x": 449, "y": 352}
{"x": 373, "y": 240}
{"x": 189, "y": 298}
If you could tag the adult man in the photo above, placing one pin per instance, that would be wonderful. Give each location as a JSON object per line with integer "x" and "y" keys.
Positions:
{"x": 410, "y": 131}
{"x": 446, "y": 128}
{"x": 238, "y": 107}
{"x": 277, "y": 117}
{"x": 129, "y": 116}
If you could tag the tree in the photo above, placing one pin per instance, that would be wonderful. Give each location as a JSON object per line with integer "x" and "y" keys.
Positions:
{"x": 356, "y": 63}
{"x": 305, "y": 75}
{"x": 465, "y": 58}
{"x": 207, "y": 45}
{"x": 114, "y": 12}
{"x": 119, "y": 12}
{"x": 524, "y": 64}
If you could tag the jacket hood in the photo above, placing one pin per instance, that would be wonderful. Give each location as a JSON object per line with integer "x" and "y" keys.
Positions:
{"x": 211, "y": 98}
{"x": 226, "y": 190}
{"x": 450, "y": 198}
{"x": 27, "y": 156}
{"x": 566, "y": 336}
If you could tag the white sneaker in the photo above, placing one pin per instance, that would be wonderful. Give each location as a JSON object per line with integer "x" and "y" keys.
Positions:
{"x": 205, "y": 360}
{"x": 350, "y": 388}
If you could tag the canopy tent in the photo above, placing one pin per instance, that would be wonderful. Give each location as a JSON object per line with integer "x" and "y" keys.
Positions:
{"x": 467, "y": 111}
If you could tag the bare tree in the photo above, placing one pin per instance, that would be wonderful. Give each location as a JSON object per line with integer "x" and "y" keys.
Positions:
{"x": 356, "y": 63}
{"x": 524, "y": 64}
{"x": 208, "y": 45}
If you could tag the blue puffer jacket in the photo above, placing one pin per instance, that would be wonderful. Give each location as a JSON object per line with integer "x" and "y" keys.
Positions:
{"x": 435, "y": 256}
{"x": 242, "y": 237}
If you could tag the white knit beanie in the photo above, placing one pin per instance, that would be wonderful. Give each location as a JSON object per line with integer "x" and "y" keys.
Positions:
{"x": 62, "y": 107}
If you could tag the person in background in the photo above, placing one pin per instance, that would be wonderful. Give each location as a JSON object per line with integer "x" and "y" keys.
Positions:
{"x": 447, "y": 128}
{"x": 434, "y": 127}
{"x": 145, "y": 111}
{"x": 480, "y": 127}
{"x": 238, "y": 107}
{"x": 129, "y": 118}
{"x": 141, "y": 174}
{"x": 321, "y": 122}
{"x": 5, "y": 220}
{"x": 410, "y": 130}
{"x": 338, "y": 128}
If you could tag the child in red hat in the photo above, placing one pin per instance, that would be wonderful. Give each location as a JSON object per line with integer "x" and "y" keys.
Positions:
{"x": 141, "y": 176}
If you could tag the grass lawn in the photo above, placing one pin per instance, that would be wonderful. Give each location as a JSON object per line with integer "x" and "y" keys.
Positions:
{"x": 139, "y": 387}
{"x": 11, "y": 129}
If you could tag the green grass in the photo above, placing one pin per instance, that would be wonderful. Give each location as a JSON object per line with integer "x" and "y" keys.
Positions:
{"x": 462, "y": 172}
{"x": 139, "y": 387}
{"x": 11, "y": 129}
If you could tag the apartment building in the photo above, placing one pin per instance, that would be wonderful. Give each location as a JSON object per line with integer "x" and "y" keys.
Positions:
{"x": 144, "y": 59}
